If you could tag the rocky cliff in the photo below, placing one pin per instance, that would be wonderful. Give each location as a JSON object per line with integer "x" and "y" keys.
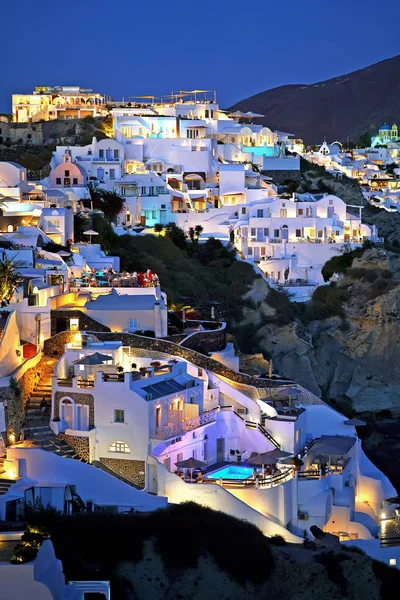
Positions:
{"x": 352, "y": 358}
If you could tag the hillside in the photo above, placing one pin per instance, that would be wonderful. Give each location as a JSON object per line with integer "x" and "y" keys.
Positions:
{"x": 191, "y": 552}
{"x": 346, "y": 106}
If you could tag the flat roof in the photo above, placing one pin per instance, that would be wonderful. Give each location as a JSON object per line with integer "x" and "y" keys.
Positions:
{"x": 163, "y": 388}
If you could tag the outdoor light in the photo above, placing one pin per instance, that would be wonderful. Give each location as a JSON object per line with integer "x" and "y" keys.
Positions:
{"x": 11, "y": 438}
{"x": 383, "y": 515}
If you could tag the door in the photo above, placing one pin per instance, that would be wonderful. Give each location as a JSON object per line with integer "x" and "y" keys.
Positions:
{"x": 68, "y": 414}
{"x": 220, "y": 449}
{"x": 260, "y": 234}
{"x": 152, "y": 485}
{"x": 205, "y": 457}
{"x": 158, "y": 416}
{"x": 285, "y": 233}
{"x": 256, "y": 256}
{"x": 167, "y": 463}
{"x": 108, "y": 154}
{"x": 82, "y": 417}
{"x": 100, "y": 174}
{"x": 331, "y": 211}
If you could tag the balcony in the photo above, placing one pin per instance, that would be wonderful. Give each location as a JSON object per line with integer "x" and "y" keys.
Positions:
{"x": 178, "y": 429}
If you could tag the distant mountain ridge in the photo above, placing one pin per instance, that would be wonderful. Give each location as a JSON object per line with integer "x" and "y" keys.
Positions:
{"x": 339, "y": 108}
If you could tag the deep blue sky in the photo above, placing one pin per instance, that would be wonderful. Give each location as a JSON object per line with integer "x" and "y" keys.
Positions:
{"x": 132, "y": 47}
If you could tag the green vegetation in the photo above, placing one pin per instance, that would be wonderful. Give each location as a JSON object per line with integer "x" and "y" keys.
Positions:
{"x": 35, "y": 158}
{"x": 110, "y": 203}
{"x": 389, "y": 578}
{"x": 39, "y": 521}
{"x": 9, "y": 279}
{"x": 341, "y": 263}
{"x": 105, "y": 539}
{"x": 190, "y": 273}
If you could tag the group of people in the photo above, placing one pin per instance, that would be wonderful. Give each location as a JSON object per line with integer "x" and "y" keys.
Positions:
{"x": 266, "y": 471}
{"x": 135, "y": 279}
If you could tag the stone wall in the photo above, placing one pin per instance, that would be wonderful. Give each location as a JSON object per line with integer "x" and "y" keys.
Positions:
{"x": 206, "y": 341}
{"x": 17, "y": 394}
{"x": 204, "y": 362}
{"x": 86, "y": 323}
{"x": 79, "y": 444}
{"x": 282, "y": 176}
{"x": 54, "y": 346}
{"x": 15, "y": 132}
{"x": 79, "y": 398}
{"x": 132, "y": 470}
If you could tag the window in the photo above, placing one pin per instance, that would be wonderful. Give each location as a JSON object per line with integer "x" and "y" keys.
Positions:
{"x": 116, "y": 153}
{"x": 66, "y": 173}
{"x": 392, "y": 562}
{"x": 58, "y": 180}
{"x": 266, "y": 231}
{"x": 206, "y": 113}
{"x": 154, "y": 214}
{"x": 331, "y": 201}
{"x": 276, "y": 233}
{"x": 243, "y": 210}
{"x": 143, "y": 191}
{"x": 260, "y": 212}
{"x": 296, "y": 436}
{"x": 212, "y": 114}
{"x": 300, "y": 212}
{"x": 283, "y": 204}
{"x": 298, "y": 232}
{"x": 133, "y": 324}
{"x": 75, "y": 181}
{"x": 250, "y": 251}
{"x": 320, "y": 233}
{"x": 119, "y": 416}
{"x": 253, "y": 232}
{"x": 179, "y": 457}
{"x": 119, "y": 447}
{"x": 112, "y": 173}
{"x": 101, "y": 153}
{"x": 283, "y": 212}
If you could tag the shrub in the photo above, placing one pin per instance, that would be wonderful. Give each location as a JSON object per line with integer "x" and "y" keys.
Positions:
{"x": 277, "y": 540}
{"x": 355, "y": 273}
{"x": 389, "y": 578}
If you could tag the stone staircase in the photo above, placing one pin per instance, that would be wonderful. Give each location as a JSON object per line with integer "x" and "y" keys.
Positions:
{"x": 5, "y": 485}
{"x": 37, "y": 430}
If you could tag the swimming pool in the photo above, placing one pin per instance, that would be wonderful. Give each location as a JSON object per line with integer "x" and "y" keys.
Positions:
{"x": 231, "y": 472}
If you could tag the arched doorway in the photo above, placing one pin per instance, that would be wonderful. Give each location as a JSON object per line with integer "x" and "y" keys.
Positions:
{"x": 285, "y": 232}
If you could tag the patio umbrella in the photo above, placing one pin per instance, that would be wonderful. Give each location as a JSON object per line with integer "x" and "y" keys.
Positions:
{"x": 355, "y": 422}
{"x": 64, "y": 253}
{"x": 269, "y": 458}
{"x": 290, "y": 391}
{"x": 90, "y": 232}
{"x": 253, "y": 115}
{"x": 190, "y": 463}
{"x": 93, "y": 359}
{"x": 395, "y": 500}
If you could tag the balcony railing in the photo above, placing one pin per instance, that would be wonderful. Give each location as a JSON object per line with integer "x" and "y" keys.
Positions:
{"x": 164, "y": 433}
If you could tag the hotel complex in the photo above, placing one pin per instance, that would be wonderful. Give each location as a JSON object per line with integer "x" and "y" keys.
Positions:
{"x": 136, "y": 418}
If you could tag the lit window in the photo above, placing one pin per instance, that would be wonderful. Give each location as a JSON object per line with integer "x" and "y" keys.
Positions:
{"x": 392, "y": 562}
{"x": 119, "y": 447}
{"x": 119, "y": 416}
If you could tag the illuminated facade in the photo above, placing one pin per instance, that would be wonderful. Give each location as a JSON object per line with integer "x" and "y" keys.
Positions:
{"x": 386, "y": 135}
{"x": 62, "y": 102}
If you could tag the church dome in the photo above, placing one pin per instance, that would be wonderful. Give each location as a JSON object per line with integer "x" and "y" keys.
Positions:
{"x": 384, "y": 127}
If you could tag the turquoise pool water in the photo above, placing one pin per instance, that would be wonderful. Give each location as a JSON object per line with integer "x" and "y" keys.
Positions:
{"x": 231, "y": 472}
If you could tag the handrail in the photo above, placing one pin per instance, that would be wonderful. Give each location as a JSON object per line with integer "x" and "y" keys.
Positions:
{"x": 269, "y": 437}
{"x": 184, "y": 426}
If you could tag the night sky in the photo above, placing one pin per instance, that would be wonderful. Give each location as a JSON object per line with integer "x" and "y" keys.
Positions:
{"x": 132, "y": 47}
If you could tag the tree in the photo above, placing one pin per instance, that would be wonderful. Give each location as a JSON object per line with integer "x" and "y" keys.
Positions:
{"x": 158, "y": 228}
{"x": 176, "y": 235}
{"x": 198, "y": 230}
{"x": 192, "y": 233}
{"x": 9, "y": 280}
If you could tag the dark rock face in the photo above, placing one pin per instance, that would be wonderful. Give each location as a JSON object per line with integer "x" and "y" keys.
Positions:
{"x": 348, "y": 105}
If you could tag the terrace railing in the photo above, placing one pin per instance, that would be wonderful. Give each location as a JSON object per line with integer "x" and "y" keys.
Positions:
{"x": 261, "y": 482}
{"x": 170, "y": 431}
